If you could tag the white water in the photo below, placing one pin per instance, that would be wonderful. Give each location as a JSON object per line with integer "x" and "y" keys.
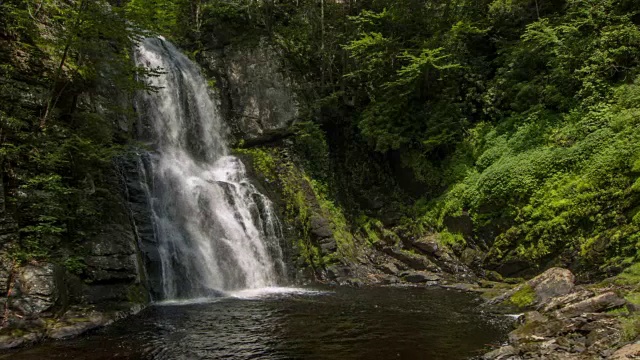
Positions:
{"x": 215, "y": 231}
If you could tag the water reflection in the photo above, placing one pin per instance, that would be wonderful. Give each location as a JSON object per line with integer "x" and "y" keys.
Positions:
{"x": 380, "y": 323}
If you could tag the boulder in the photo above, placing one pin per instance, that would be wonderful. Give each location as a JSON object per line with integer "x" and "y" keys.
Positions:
{"x": 606, "y": 301}
{"x": 539, "y": 290}
{"x": 75, "y": 327}
{"x": 37, "y": 288}
{"x": 631, "y": 351}
{"x": 562, "y": 301}
{"x": 551, "y": 283}
{"x": 417, "y": 277}
{"x": 427, "y": 246}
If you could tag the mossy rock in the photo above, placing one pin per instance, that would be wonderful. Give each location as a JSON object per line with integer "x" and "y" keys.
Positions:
{"x": 524, "y": 297}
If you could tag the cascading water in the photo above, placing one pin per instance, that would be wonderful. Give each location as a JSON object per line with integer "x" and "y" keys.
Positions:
{"x": 214, "y": 230}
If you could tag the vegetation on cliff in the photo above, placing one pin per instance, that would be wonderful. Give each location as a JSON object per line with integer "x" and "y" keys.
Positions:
{"x": 66, "y": 77}
{"x": 518, "y": 115}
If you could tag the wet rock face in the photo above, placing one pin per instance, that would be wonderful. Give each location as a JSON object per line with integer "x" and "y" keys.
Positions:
{"x": 112, "y": 256}
{"x": 256, "y": 93}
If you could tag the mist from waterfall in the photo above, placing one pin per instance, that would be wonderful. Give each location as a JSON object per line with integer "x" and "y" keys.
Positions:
{"x": 214, "y": 230}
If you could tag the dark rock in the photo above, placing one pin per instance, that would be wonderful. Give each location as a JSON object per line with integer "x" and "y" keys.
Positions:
{"x": 328, "y": 246}
{"x": 461, "y": 224}
{"x": 389, "y": 268}
{"x": 608, "y": 321}
{"x": 105, "y": 293}
{"x": 472, "y": 257}
{"x": 11, "y": 342}
{"x": 256, "y": 91}
{"x": 603, "y": 338}
{"x": 413, "y": 261}
{"x": 119, "y": 240}
{"x": 493, "y": 276}
{"x": 113, "y": 268}
{"x": 336, "y": 271}
{"x": 388, "y": 280}
{"x": 536, "y": 330}
{"x": 420, "y": 277}
{"x": 320, "y": 227}
{"x": 353, "y": 282}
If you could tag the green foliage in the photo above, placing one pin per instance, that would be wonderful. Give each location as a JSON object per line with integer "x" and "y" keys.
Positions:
{"x": 156, "y": 15}
{"x": 449, "y": 239}
{"x": 629, "y": 276}
{"x": 345, "y": 240}
{"x": 312, "y": 149}
{"x": 263, "y": 161}
{"x": 370, "y": 229}
{"x": 65, "y": 79}
{"x": 304, "y": 198}
{"x": 75, "y": 265}
{"x": 630, "y": 328}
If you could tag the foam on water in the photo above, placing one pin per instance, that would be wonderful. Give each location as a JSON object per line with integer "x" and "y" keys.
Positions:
{"x": 247, "y": 294}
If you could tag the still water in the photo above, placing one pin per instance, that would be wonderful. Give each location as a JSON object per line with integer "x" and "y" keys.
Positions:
{"x": 330, "y": 323}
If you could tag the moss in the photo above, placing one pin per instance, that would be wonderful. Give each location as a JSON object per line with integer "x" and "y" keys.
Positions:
{"x": 75, "y": 265}
{"x": 630, "y": 328}
{"x": 345, "y": 240}
{"x": 370, "y": 229}
{"x": 263, "y": 161}
{"x": 633, "y": 297}
{"x": 136, "y": 294}
{"x": 630, "y": 276}
{"x": 77, "y": 320}
{"x": 447, "y": 238}
{"x": 492, "y": 289}
{"x": 524, "y": 297}
{"x": 303, "y": 197}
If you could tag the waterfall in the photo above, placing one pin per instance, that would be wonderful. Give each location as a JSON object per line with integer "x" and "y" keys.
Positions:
{"x": 214, "y": 231}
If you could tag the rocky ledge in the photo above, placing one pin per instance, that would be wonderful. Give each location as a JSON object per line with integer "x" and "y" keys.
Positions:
{"x": 75, "y": 321}
{"x": 43, "y": 301}
{"x": 560, "y": 320}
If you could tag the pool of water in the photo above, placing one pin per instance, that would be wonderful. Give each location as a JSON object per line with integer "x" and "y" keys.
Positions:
{"x": 331, "y": 323}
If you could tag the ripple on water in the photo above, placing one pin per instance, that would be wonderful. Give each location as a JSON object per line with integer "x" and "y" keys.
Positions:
{"x": 292, "y": 323}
